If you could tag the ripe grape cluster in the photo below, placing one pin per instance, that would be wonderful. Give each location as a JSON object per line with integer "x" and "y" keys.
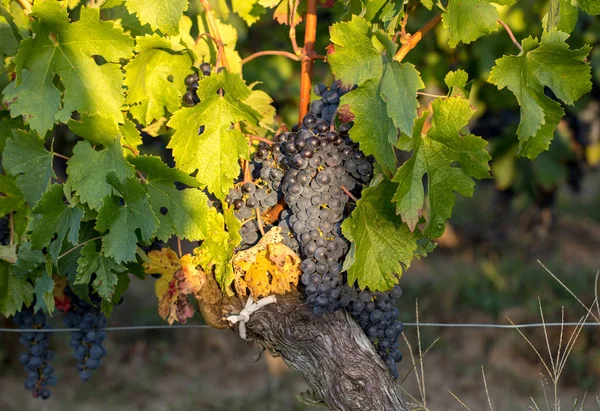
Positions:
{"x": 376, "y": 313}
{"x": 327, "y": 105}
{"x": 191, "y": 82}
{"x": 88, "y": 336}
{"x": 317, "y": 169}
{"x": 37, "y": 357}
{"x": 4, "y": 231}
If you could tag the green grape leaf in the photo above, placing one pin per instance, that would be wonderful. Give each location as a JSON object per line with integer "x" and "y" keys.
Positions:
{"x": 352, "y": 56}
{"x": 456, "y": 82}
{"x": 52, "y": 216}
{"x": 88, "y": 168}
{"x": 562, "y": 16}
{"x": 382, "y": 245}
{"x": 155, "y": 79}
{"x": 26, "y": 158}
{"x": 12, "y": 201}
{"x": 14, "y": 293}
{"x": 251, "y": 10}
{"x": 467, "y": 20}
{"x": 204, "y": 48}
{"x": 204, "y": 138}
{"x": 106, "y": 269}
{"x": 373, "y": 129}
{"x": 9, "y": 33}
{"x": 399, "y": 87}
{"x": 130, "y": 135}
{"x": 44, "y": 286}
{"x": 163, "y": 15}
{"x": 180, "y": 212}
{"x": 434, "y": 154}
{"x": 427, "y": 3}
{"x": 97, "y": 129}
{"x": 123, "y": 222}
{"x": 119, "y": 289}
{"x": 549, "y": 63}
{"x": 261, "y": 102}
{"x": 216, "y": 252}
{"x": 28, "y": 261}
{"x": 64, "y": 49}
{"x": 591, "y": 7}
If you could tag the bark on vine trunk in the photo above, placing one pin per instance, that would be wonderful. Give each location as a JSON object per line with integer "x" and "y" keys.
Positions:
{"x": 331, "y": 352}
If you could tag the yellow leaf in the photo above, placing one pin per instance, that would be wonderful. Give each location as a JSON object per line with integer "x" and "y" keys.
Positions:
{"x": 270, "y": 267}
{"x": 179, "y": 279}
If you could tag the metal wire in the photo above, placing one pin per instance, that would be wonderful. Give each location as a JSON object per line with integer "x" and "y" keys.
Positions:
{"x": 432, "y": 325}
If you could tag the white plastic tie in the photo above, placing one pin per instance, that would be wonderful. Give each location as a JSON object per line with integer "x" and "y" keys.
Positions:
{"x": 251, "y": 307}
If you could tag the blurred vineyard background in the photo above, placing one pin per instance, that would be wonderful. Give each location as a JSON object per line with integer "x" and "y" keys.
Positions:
{"x": 484, "y": 269}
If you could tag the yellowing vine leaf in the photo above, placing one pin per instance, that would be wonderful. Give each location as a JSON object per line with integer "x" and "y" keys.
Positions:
{"x": 270, "y": 267}
{"x": 179, "y": 279}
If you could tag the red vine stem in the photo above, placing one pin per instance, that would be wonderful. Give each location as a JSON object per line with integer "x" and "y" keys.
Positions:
{"x": 215, "y": 33}
{"x": 259, "y": 138}
{"x": 414, "y": 39}
{"x": 271, "y": 53}
{"x": 510, "y": 33}
{"x": 310, "y": 36}
{"x": 349, "y": 194}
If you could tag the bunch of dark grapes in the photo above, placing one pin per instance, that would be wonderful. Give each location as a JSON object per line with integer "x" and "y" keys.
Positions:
{"x": 326, "y": 107}
{"x": 191, "y": 82}
{"x": 4, "y": 231}
{"x": 376, "y": 313}
{"x": 36, "y": 360}
{"x": 252, "y": 198}
{"x": 86, "y": 339}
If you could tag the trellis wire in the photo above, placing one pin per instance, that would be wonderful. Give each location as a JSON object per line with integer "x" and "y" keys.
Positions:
{"x": 431, "y": 325}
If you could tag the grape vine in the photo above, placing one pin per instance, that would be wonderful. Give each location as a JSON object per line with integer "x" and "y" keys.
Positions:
{"x": 229, "y": 201}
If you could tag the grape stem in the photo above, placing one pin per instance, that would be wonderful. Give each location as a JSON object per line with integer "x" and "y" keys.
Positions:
{"x": 26, "y": 5}
{"x": 349, "y": 194}
{"x": 420, "y": 93}
{"x": 414, "y": 39}
{"x": 179, "y": 247}
{"x": 259, "y": 138}
{"x": 141, "y": 176}
{"x": 287, "y": 54}
{"x": 310, "y": 36}
{"x": 510, "y": 33}
{"x": 131, "y": 148}
{"x": 77, "y": 246}
{"x": 222, "y": 58}
{"x": 205, "y": 34}
{"x": 259, "y": 221}
{"x": 61, "y": 156}
{"x": 293, "y": 8}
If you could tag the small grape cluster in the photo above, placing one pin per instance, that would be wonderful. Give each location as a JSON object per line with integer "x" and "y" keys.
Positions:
{"x": 4, "y": 231}
{"x": 36, "y": 360}
{"x": 376, "y": 313}
{"x": 260, "y": 194}
{"x": 326, "y": 107}
{"x": 190, "y": 97}
{"x": 88, "y": 336}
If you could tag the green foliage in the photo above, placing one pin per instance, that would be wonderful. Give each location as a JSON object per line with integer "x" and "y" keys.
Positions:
{"x": 434, "y": 154}
{"x": 64, "y": 49}
{"x": 204, "y": 140}
{"x": 110, "y": 74}
{"x": 124, "y": 221}
{"x": 26, "y": 158}
{"x": 216, "y": 252}
{"x": 382, "y": 246}
{"x": 162, "y": 15}
{"x": 549, "y": 63}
